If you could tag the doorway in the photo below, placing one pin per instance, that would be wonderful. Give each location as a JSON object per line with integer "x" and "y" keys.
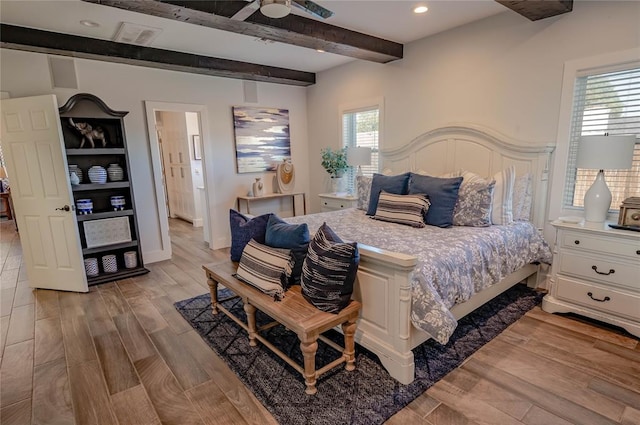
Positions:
{"x": 177, "y": 135}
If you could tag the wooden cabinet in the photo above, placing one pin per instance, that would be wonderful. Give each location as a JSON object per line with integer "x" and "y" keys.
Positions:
{"x": 106, "y": 230}
{"x": 596, "y": 273}
{"x": 331, "y": 202}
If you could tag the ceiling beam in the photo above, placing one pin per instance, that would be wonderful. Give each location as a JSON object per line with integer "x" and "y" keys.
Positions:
{"x": 291, "y": 29}
{"x": 28, "y": 39}
{"x": 538, "y": 9}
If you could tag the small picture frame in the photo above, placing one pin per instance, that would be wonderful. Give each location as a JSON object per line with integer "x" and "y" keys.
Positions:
{"x": 196, "y": 147}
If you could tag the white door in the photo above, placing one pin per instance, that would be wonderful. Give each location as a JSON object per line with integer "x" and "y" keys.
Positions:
{"x": 37, "y": 167}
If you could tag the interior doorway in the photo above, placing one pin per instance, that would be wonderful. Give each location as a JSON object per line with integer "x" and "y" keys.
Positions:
{"x": 177, "y": 135}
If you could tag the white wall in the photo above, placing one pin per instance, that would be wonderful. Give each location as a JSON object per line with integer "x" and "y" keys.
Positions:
{"x": 503, "y": 72}
{"x": 126, "y": 87}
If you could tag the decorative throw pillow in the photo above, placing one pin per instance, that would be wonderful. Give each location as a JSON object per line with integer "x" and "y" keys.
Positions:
{"x": 264, "y": 268}
{"x": 402, "y": 209}
{"x": 442, "y": 193}
{"x": 329, "y": 271}
{"x": 522, "y": 194}
{"x": 295, "y": 237}
{"x": 474, "y": 201}
{"x": 502, "y": 204}
{"x": 244, "y": 229}
{"x": 363, "y": 190}
{"x": 392, "y": 184}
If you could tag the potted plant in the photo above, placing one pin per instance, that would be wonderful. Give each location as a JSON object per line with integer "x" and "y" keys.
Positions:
{"x": 334, "y": 161}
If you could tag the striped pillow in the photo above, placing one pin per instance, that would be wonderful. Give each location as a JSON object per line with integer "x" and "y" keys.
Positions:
{"x": 329, "y": 271}
{"x": 502, "y": 204}
{"x": 264, "y": 268}
{"x": 402, "y": 209}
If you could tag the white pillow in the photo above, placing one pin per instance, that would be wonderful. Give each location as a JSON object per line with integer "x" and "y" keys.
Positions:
{"x": 522, "y": 194}
{"x": 502, "y": 203}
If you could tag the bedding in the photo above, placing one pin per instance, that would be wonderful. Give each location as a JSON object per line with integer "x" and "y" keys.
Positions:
{"x": 453, "y": 263}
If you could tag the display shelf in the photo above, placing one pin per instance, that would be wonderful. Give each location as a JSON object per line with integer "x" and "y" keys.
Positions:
{"x": 97, "y": 186}
{"x": 120, "y": 274}
{"x": 104, "y": 214}
{"x": 113, "y": 247}
{"x": 96, "y": 151}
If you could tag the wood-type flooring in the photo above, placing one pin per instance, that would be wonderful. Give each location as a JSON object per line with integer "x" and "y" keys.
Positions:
{"x": 121, "y": 354}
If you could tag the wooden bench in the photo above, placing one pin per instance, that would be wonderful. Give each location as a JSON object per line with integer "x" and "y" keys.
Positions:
{"x": 295, "y": 313}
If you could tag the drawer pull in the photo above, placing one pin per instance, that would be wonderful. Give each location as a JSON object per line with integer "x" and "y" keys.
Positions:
{"x": 638, "y": 252}
{"x": 599, "y": 300}
{"x": 577, "y": 242}
{"x": 595, "y": 268}
{"x": 341, "y": 206}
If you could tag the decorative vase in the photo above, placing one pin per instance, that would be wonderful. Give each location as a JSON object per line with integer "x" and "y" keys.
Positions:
{"x": 115, "y": 172}
{"x": 337, "y": 184}
{"x": 74, "y": 179}
{"x": 258, "y": 187}
{"x": 97, "y": 174}
{"x": 74, "y": 169}
{"x": 91, "y": 266}
{"x": 84, "y": 206}
{"x": 117, "y": 202}
{"x": 285, "y": 176}
{"x": 130, "y": 259}
{"x": 109, "y": 263}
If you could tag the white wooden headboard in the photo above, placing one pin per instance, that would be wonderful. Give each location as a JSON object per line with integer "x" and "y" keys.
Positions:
{"x": 481, "y": 151}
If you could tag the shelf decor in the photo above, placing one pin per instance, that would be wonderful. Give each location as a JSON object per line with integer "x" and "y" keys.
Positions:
{"x": 107, "y": 231}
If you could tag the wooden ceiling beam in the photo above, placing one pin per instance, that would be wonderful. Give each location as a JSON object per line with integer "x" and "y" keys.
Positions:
{"x": 538, "y": 9}
{"x": 28, "y": 39}
{"x": 292, "y": 29}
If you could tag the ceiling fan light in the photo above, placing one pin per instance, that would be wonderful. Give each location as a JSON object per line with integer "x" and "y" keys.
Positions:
{"x": 275, "y": 8}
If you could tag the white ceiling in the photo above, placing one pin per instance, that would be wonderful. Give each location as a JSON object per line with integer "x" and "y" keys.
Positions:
{"x": 391, "y": 20}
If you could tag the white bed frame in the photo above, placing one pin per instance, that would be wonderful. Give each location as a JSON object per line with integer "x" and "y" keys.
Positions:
{"x": 385, "y": 327}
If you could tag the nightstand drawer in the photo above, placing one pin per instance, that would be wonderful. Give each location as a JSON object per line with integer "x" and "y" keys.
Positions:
{"x": 336, "y": 203}
{"x": 602, "y": 268}
{"x": 578, "y": 240}
{"x": 599, "y": 298}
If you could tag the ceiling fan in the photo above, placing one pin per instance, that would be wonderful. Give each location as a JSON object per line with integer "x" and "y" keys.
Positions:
{"x": 281, "y": 8}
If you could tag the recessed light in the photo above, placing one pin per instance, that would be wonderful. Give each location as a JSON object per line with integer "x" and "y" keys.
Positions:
{"x": 319, "y": 50}
{"x": 420, "y": 9}
{"x": 90, "y": 24}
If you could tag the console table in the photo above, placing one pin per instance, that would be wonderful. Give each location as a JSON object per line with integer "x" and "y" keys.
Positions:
{"x": 248, "y": 200}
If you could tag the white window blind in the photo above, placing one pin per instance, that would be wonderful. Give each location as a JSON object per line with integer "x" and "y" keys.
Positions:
{"x": 604, "y": 102}
{"x": 361, "y": 129}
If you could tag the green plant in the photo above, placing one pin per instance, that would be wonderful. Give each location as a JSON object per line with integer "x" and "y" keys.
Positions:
{"x": 334, "y": 161}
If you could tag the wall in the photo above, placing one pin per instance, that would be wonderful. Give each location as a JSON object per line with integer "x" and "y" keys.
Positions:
{"x": 126, "y": 87}
{"x": 193, "y": 128}
{"x": 503, "y": 72}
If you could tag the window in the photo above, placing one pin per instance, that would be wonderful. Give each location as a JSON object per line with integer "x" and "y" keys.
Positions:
{"x": 604, "y": 102}
{"x": 361, "y": 128}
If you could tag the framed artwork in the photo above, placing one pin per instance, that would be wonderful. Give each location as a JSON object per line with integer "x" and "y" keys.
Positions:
{"x": 262, "y": 138}
{"x": 196, "y": 147}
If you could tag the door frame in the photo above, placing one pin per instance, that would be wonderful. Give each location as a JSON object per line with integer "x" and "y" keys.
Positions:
{"x": 150, "y": 108}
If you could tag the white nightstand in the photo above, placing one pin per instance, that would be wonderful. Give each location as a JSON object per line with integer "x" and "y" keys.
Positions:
{"x": 596, "y": 273}
{"x": 333, "y": 202}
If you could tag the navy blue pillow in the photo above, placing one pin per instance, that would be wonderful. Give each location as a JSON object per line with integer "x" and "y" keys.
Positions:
{"x": 244, "y": 229}
{"x": 443, "y": 195}
{"x": 289, "y": 236}
{"x": 329, "y": 271}
{"x": 392, "y": 184}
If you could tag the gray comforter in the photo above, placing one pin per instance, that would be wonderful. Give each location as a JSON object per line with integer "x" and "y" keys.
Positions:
{"x": 453, "y": 264}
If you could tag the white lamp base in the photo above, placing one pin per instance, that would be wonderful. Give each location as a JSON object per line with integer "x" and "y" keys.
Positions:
{"x": 597, "y": 200}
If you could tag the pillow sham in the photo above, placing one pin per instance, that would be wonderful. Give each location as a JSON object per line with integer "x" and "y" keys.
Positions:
{"x": 402, "y": 209}
{"x": 522, "y": 197}
{"x": 264, "y": 268}
{"x": 502, "y": 204}
{"x": 363, "y": 190}
{"x": 474, "y": 201}
{"x": 329, "y": 271}
{"x": 295, "y": 237}
{"x": 244, "y": 229}
{"x": 442, "y": 194}
{"x": 392, "y": 184}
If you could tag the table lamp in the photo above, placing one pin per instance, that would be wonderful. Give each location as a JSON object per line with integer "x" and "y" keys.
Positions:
{"x": 603, "y": 153}
{"x": 358, "y": 156}
{"x": 3, "y": 175}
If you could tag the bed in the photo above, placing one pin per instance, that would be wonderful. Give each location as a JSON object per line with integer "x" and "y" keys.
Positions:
{"x": 392, "y": 276}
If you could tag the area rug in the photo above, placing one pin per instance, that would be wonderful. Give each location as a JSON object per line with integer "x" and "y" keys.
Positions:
{"x": 367, "y": 395}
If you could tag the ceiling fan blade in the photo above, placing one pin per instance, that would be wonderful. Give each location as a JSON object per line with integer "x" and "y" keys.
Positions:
{"x": 246, "y": 11}
{"x": 313, "y": 8}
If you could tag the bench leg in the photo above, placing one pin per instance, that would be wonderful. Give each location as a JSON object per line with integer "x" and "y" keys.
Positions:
{"x": 251, "y": 322}
{"x": 213, "y": 289}
{"x": 349, "y": 330}
{"x": 309, "y": 348}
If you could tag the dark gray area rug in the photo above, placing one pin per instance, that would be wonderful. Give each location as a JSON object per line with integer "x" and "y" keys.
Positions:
{"x": 367, "y": 395}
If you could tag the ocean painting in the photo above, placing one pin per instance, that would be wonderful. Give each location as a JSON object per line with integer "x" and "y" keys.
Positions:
{"x": 262, "y": 138}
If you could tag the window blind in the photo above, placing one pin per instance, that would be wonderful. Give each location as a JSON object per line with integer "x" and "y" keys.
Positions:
{"x": 361, "y": 129}
{"x": 604, "y": 103}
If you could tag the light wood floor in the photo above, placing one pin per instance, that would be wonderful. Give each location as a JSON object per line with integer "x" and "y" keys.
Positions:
{"x": 122, "y": 354}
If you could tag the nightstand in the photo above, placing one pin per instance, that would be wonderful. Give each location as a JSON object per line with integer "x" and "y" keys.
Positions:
{"x": 333, "y": 202}
{"x": 596, "y": 273}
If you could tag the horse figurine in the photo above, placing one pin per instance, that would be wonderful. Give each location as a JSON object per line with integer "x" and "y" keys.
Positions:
{"x": 89, "y": 133}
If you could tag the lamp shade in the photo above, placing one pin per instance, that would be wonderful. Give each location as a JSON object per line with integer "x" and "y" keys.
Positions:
{"x": 358, "y": 156}
{"x": 275, "y": 8}
{"x": 3, "y": 172}
{"x": 606, "y": 152}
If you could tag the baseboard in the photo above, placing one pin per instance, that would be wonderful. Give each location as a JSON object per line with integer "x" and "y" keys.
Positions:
{"x": 198, "y": 222}
{"x": 155, "y": 256}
